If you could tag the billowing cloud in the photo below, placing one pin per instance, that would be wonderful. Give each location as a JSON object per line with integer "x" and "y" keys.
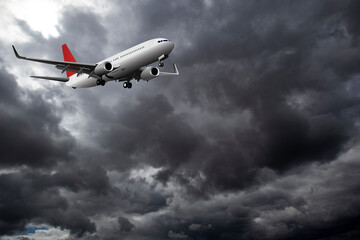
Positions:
{"x": 30, "y": 132}
{"x": 256, "y": 139}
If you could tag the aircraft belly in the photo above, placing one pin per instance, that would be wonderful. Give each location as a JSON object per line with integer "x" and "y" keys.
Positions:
{"x": 82, "y": 81}
{"x": 133, "y": 63}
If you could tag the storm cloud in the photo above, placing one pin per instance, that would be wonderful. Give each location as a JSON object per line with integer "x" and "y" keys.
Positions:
{"x": 258, "y": 138}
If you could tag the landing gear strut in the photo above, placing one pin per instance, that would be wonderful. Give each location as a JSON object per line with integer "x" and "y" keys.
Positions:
{"x": 100, "y": 82}
{"x": 161, "y": 58}
{"x": 127, "y": 84}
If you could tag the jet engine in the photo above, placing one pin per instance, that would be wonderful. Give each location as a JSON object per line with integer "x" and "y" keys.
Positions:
{"x": 149, "y": 73}
{"x": 103, "y": 68}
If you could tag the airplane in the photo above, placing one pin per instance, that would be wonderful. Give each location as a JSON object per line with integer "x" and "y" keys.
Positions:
{"x": 123, "y": 67}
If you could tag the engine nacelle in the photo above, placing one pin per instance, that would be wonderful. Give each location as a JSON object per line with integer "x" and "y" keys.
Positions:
{"x": 149, "y": 73}
{"x": 103, "y": 68}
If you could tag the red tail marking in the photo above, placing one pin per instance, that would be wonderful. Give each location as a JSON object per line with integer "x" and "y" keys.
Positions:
{"x": 68, "y": 57}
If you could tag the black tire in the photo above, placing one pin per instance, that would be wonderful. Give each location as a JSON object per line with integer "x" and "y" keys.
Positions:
{"x": 98, "y": 82}
{"x": 161, "y": 64}
{"x": 125, "y": 84}
{"x": 102, "y": 82}
{"x": 129, "y": 85}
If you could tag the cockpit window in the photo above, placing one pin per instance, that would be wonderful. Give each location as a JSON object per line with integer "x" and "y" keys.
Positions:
{"x": 164, "y": 40}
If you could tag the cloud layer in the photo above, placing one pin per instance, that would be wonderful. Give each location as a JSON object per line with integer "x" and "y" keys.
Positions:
{"x": 256, "y": 139}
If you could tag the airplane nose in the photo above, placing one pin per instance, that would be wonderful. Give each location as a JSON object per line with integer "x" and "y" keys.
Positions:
{"x": 170, "y": 47}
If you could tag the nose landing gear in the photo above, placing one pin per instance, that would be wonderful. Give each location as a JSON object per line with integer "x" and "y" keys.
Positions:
{"x": 161, "y": 58}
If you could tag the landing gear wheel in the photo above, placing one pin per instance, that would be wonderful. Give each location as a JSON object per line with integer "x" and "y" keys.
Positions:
{"x": 161, "y": 64}
{"x": 102, "y": 82}
{"x": 127, "y": 84}
{"x": 98, "y": 82}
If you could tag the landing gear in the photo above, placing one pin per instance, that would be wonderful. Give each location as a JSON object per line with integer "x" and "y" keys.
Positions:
{"x": 127, "y": 84}
{"x": 161, "y": 58}
{"x": 100, "y": 82}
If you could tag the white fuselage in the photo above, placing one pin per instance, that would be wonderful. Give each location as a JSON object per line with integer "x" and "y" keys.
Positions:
{"x": 127, "y": 62}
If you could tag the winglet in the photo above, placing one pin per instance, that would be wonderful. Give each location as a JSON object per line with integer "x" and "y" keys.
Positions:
{"x": 175, "y": 73}
{"x": 16, "y": 53}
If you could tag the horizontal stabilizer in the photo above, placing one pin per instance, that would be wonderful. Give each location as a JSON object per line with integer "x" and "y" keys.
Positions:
{"x": 175, "y": 73}
{"x": 59, "y": 79}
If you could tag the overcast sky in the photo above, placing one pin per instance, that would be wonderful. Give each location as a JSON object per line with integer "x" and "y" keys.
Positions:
{"x": 258, "y": 138}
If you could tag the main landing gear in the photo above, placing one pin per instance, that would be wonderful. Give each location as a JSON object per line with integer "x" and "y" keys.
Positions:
{"x": 100, "y": 82}
{"x": 127, "y": 84}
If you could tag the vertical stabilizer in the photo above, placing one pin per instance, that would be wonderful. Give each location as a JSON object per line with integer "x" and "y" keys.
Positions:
{"x": 68, "y": 57}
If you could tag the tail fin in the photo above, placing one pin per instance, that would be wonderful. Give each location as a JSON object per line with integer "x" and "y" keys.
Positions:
{"x": 68, "y": 57}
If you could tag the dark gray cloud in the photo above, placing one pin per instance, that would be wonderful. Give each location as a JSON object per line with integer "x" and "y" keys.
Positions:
{"x": 29, "y": 197}
{"x": 256, "y": 139}
{"x": 30, "y": 132}
{"x": 125, "y": 225}
{"x": 149, "y": 128}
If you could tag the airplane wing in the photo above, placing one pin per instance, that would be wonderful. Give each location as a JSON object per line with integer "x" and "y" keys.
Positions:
{"x": 75, "y": 67}
{"x": 175, "y": 73}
